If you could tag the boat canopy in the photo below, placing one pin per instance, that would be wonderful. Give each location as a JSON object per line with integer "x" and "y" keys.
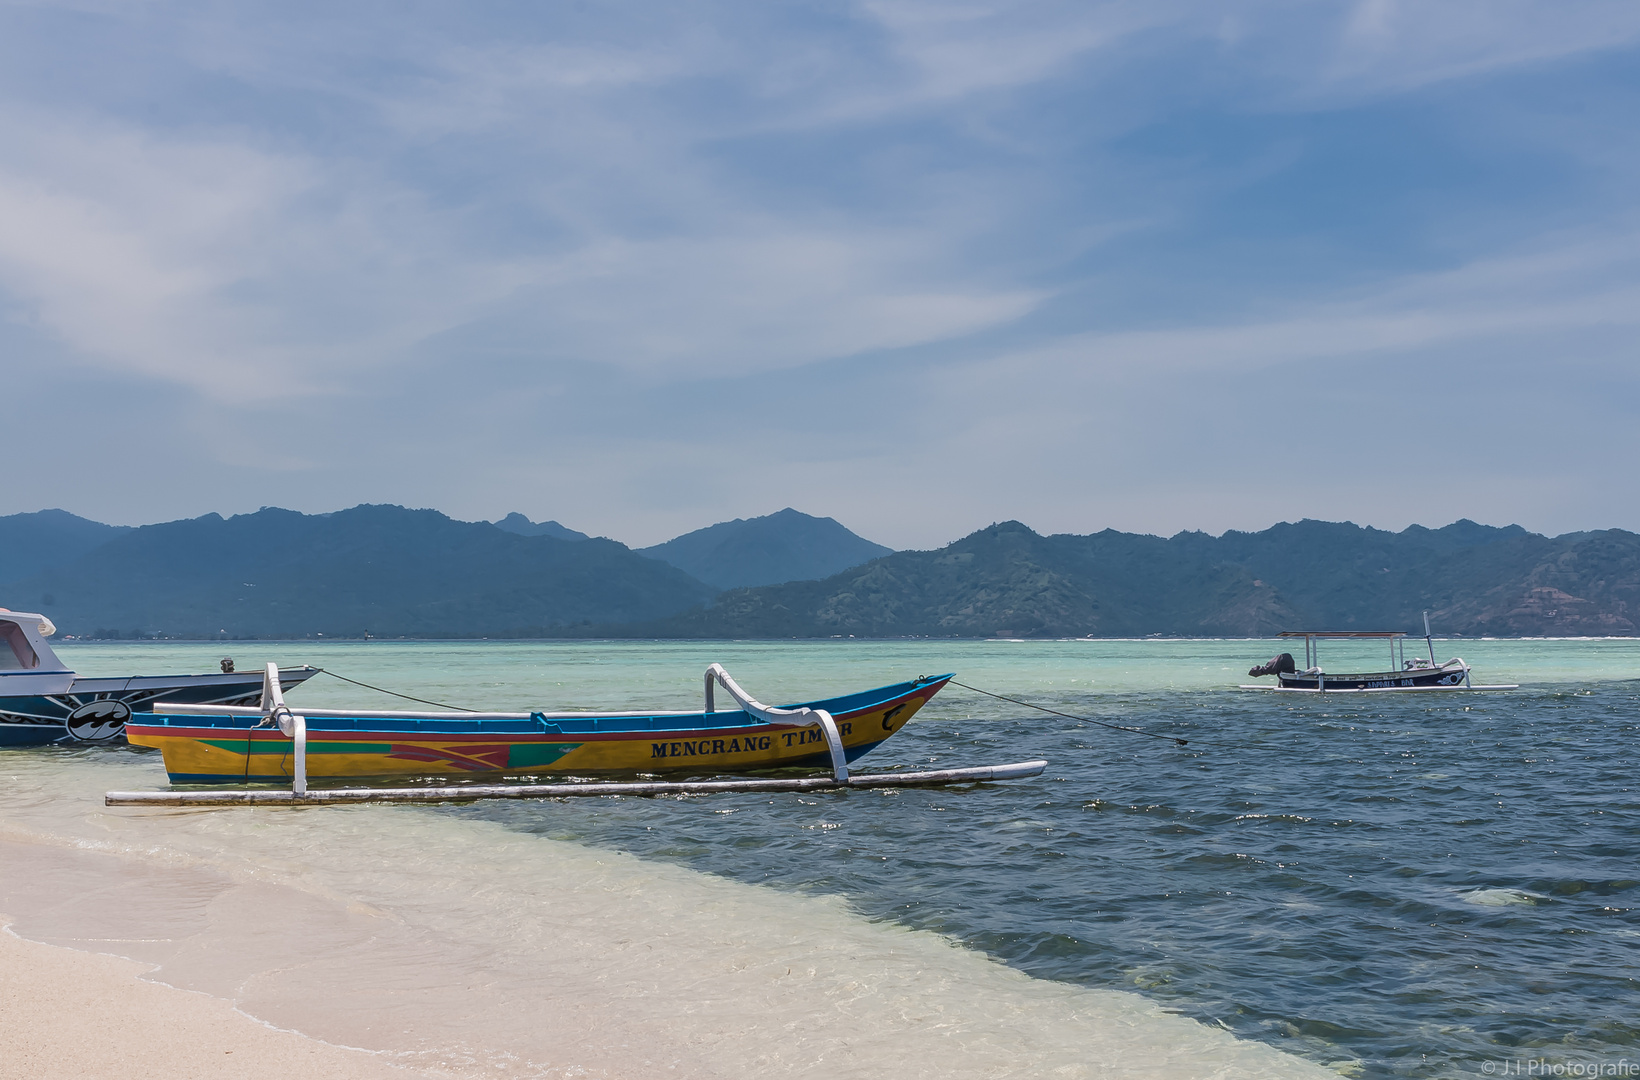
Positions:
{"x": 22, "y": 641}
{"x": 1313, "y": 639}
{"x": 1343, "y": 633}
{"x": 27, "y": 664}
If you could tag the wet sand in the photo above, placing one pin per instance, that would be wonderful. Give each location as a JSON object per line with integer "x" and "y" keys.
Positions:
{"x": 71, "y": 1013}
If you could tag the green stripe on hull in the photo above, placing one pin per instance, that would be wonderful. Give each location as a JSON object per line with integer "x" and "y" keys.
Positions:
{"x": 534, "y": 755}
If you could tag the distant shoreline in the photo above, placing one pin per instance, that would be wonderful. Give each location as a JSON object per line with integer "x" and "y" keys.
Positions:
{"x": 71, "y": 641}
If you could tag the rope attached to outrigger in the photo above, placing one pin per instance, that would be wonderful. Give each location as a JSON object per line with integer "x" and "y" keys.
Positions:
{"x": 1068, "y": 716}
{"x": 394, "y": 693}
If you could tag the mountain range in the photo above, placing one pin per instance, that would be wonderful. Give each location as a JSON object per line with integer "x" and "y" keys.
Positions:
{"x": 380, "y": 570}
{"x": 1008, "y": 581}
{"x": 392, "y": 572}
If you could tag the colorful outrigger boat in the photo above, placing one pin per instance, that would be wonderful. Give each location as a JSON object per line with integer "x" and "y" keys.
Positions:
{"x": 1415, "y": 673}
{"x": 271, "y": 744}
{"x": 43, "y": 701}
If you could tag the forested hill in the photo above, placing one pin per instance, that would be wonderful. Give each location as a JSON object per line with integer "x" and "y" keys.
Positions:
{"x": 382, "y": 570}
{"x": 29, "y": 543}
{"x": 1012, "y": 582}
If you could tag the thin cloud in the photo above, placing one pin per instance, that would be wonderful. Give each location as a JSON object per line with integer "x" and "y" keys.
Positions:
{"x": 1577, "y": 284}
{"x": 1398, "y": 45}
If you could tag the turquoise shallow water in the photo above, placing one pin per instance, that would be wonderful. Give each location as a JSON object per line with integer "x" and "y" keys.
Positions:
{"x": 1409, "y": 885}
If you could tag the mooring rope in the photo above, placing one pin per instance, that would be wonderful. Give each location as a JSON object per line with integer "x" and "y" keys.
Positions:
{"x": 965, "y": 686}
{"x": 1068, "y": 716}
{"x": 394, "y": 693}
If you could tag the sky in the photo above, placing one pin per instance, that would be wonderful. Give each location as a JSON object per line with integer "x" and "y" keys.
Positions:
{"x": 918, "y": 266}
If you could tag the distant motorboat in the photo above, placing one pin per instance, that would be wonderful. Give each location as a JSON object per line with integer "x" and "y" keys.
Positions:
{"x": 1416, "y": 673}
{"x": 42, "y": 701}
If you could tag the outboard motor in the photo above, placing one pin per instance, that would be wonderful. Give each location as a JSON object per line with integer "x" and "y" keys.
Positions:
{"x": 1277, "y": 665}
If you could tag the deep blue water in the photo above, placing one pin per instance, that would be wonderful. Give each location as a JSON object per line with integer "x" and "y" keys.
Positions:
{"x": 1419, "y": 883}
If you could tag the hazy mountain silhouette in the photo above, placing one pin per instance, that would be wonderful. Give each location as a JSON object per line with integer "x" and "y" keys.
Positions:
{"x": 30, "y": 543}
{"x": 787, "y": 546}
{"x": 384, "y": 570}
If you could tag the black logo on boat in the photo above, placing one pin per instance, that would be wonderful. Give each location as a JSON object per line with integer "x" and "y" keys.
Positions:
{"x": 98, "y": 721}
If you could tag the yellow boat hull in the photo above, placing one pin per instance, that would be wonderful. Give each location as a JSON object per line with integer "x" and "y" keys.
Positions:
{"x": 203, "y": 748}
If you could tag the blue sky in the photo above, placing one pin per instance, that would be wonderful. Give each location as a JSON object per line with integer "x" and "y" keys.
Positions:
{"x": 916, "y": 266}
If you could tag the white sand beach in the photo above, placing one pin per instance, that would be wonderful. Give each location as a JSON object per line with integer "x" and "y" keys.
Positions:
{"x": 71, "y": 1013}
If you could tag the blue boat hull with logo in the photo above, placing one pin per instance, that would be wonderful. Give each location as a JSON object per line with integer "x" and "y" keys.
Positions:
{"x": 95, "y": 710}
{"x": 43, "y": 702}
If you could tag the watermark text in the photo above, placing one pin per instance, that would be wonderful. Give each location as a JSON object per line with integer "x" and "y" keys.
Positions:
{"x": 1622, "y": 1067}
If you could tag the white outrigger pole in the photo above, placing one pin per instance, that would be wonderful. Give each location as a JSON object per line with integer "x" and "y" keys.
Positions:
{"x": 469, "y": 793}
{"x": 292, "y": 726}
{"x": 796, "y": 717}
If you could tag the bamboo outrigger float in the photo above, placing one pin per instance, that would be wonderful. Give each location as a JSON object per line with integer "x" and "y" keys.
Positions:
{"x": 274, "y": 744}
